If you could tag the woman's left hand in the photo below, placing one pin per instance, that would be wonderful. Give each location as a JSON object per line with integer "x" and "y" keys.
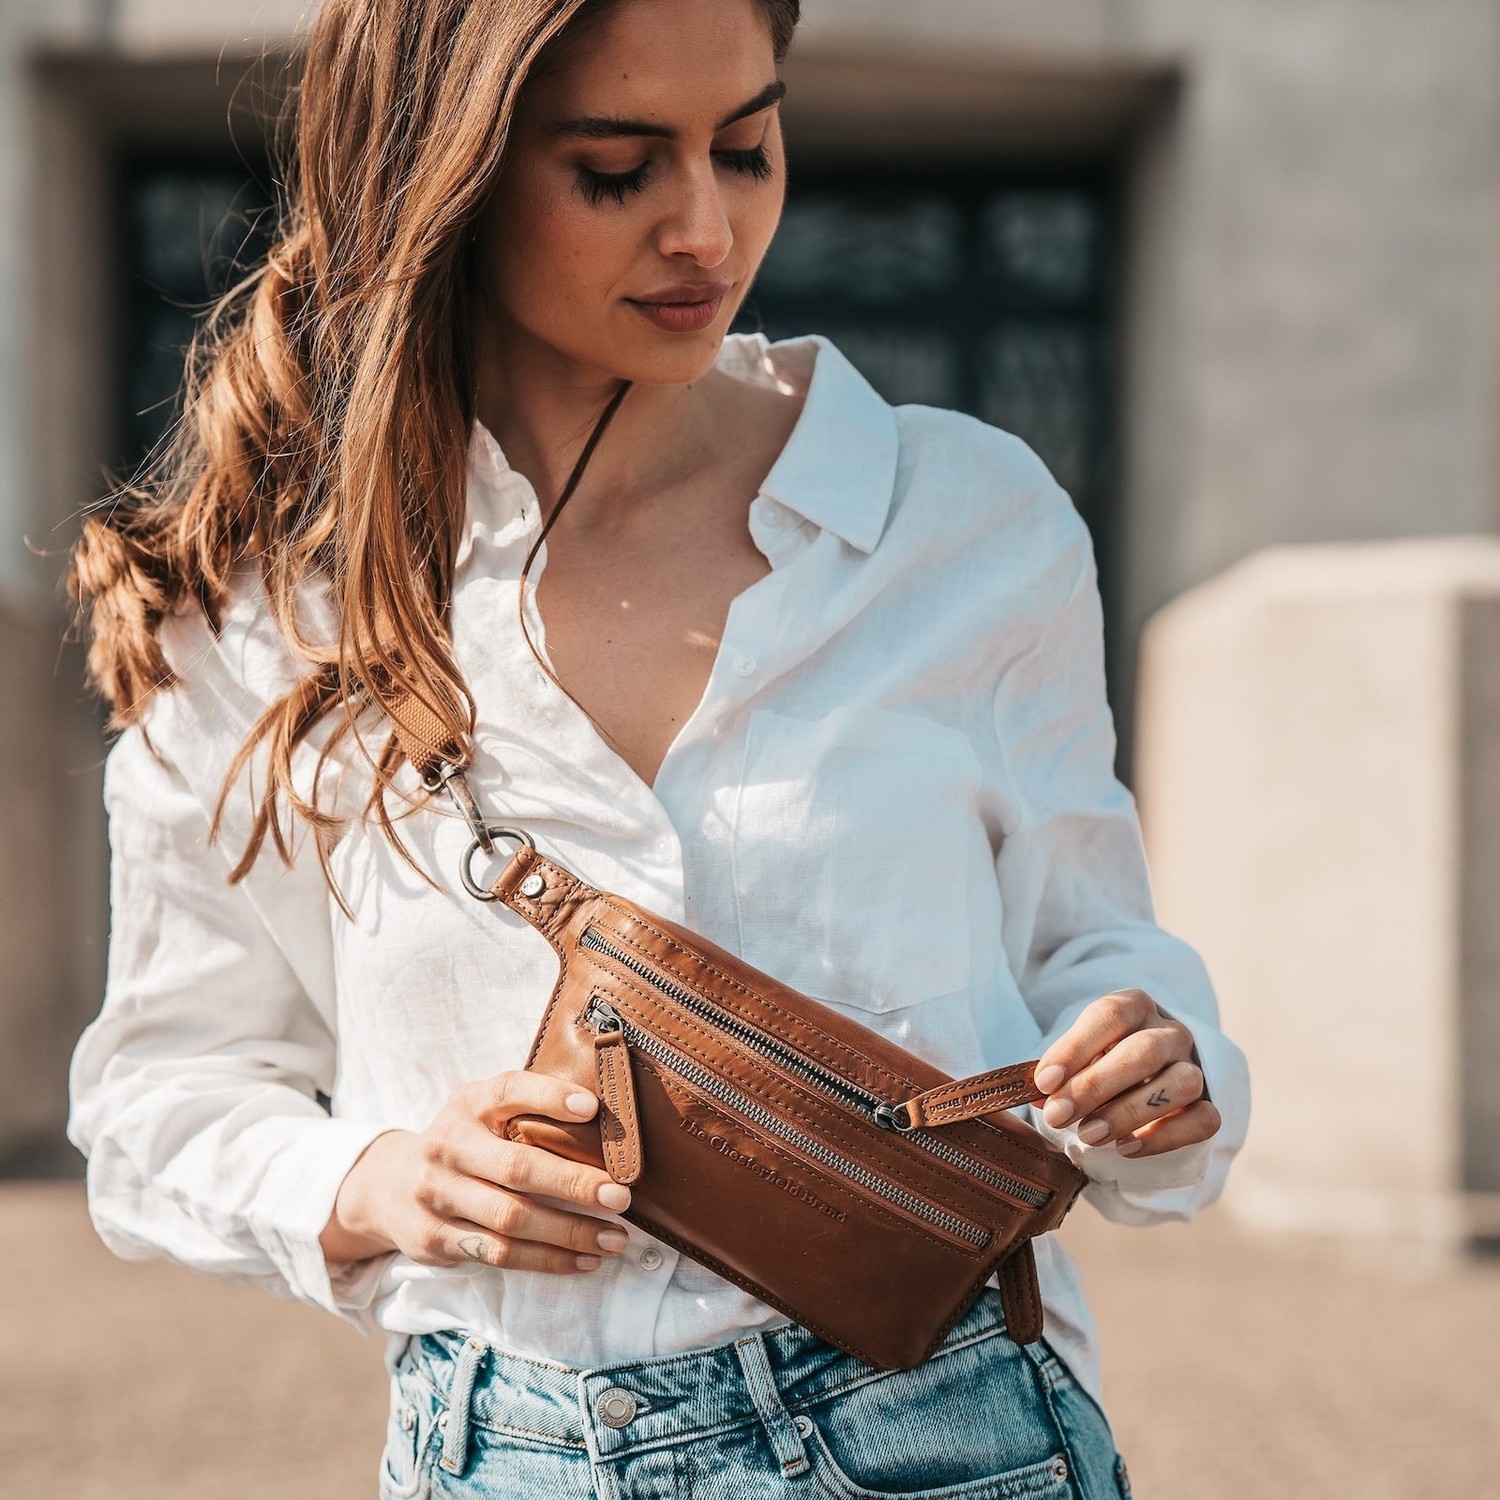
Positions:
{"x": 1125, "y": 1072}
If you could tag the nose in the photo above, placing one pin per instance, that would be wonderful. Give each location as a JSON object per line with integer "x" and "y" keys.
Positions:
{"x": 698, "y": 225}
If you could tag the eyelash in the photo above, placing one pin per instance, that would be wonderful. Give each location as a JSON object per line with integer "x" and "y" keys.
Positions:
{"x": 597, "y": 186}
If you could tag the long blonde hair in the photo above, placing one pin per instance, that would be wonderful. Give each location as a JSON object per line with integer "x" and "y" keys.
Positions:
{"x": 329, "y": 397}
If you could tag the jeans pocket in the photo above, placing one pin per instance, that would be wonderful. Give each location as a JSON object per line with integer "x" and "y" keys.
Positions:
{"x": 411, "y": 1434}
{"x": 971, "y": 1423}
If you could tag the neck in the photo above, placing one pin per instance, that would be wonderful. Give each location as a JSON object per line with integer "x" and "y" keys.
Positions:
{"x": 541, "y": 407}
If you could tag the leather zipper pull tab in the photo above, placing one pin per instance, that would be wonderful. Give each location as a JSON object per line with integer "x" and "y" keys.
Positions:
{"x": 968, "y": 1098}
{"x": 619, "y": 1124}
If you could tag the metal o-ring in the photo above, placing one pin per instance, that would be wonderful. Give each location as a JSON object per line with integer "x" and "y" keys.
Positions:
{"x": 495, "y": 831}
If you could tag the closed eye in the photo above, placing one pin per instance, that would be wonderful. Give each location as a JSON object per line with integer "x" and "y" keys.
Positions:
{"x": 597, "y": 186}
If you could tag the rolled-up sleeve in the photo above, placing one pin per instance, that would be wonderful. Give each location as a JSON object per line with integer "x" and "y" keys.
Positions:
{"x": 193, "y": 1094}
{"x": 1078, "y": 913}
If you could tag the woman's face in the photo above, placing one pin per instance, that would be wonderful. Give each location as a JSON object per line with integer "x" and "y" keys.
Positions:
{"x": 648, "y": 166}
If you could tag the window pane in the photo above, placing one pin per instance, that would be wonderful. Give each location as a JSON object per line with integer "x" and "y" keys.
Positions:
{"x": 187, "y": 233}
{"x": 863, "y": 248}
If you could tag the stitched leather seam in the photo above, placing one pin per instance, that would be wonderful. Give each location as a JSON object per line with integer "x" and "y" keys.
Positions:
{"x": 848, "y": 1053}
{"x": 716, "y": 1064}
{"x": 986, "y": 1196}
{"x": 946, "y": 1093}
{"x": 524, "y": 907}
{"x": 1040, "y": 1156}
{"x": 630, "y": 1162}
{"x": 796, "y": 1163}
{"x": 967, "y": 1099}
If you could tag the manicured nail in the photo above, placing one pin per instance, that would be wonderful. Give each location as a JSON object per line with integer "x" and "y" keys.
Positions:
{"x": 589, "y": 1262}
{"x": 614, "y": 1195}
{"x": 1130, "y": 1148}
{"x": 582, "y": 1104}
{"x": 1058, "y": 1111}
{"x": 1050, "y": 1077}
{"x": 1093, "y": 1132}
{"x": 613, "y": 1239}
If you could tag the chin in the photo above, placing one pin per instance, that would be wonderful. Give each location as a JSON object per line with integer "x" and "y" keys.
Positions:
{"x": 668, "y": 359}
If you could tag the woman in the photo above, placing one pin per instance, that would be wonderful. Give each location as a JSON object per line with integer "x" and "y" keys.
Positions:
{"x": 817, "y": 676}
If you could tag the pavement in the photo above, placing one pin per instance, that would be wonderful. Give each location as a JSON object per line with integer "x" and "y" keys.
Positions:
{"x": 1237, "y": 1367}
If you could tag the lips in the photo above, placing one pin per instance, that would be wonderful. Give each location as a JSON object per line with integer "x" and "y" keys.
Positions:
{"x": 687, "y": 295}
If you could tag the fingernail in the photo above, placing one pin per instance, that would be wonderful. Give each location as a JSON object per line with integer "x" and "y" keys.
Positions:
{"x": 1048, "y": 1078}
{"x": 589, "y": 1262}
{"x": 582, "y": 1104}
{"x": 1094, "y": 1131}
{"x": 1058, "y": 1111}
{"x": 614, "y": 1195}
{"x": 613, "y": 1239}
{"x": 1130, "y": 1148}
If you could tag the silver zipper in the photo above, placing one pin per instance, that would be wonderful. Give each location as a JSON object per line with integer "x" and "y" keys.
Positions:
{"x": 850, "y": 1094}
{"x": 601, "y": 1016}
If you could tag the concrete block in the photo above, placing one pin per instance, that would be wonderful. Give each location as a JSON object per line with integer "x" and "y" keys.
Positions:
{"x": 1319, "y": 778}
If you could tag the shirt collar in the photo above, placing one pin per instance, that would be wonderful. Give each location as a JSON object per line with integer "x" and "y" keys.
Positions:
{"x": 837, "y": 469}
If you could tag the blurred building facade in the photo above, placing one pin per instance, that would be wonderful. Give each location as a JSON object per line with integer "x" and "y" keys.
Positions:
{"x": 1229, "y": 265}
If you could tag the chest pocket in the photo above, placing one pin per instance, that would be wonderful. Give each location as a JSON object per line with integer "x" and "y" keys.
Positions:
{"x": 855, "y": 843}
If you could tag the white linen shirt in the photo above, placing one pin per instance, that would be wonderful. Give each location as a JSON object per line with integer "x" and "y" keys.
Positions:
{"x": 896, "y": 794}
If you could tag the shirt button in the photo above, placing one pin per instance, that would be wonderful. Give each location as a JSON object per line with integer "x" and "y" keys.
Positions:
{"x": 651, "y": 1258}
{"x": 744, "y": 665}
{"x": 775, "y": 514}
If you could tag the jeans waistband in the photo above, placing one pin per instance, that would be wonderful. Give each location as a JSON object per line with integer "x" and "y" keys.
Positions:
{"x": 611, "y": 1409}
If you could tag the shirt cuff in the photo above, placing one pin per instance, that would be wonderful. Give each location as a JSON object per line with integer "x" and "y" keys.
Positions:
{"x": 304, "y": 1184}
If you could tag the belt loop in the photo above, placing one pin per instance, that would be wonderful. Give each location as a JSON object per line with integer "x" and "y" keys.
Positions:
{"x": 785, "y": 1434}
{"x": 455, "y": 1421}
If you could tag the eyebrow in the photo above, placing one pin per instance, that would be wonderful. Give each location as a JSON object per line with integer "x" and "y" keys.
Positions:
{"x": 606, "y": 127}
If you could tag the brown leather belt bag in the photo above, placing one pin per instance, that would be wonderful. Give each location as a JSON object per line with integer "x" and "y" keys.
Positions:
{"x": 799, "y": 1154}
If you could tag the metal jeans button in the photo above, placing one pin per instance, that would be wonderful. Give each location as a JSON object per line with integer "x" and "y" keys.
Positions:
{"x": 616, "y": 1407}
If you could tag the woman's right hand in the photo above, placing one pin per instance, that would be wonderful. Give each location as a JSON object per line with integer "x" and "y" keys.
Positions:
{"x": 459, "y": 1191}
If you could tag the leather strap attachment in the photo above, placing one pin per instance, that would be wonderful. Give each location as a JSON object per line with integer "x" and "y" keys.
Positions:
{"x": 544, "y": 893}
{"x": 968, "y": 1098}
{"x": 1020, "y": 1295}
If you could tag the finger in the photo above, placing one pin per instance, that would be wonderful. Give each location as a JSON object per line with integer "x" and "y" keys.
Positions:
{"x": 1101, "y": 1025}
{"x": 1172, "y": 1089}
{"x": 513, "y": 1216}
{"x": 475, "y": 1152}
{"x": 459, "y": 1242}
{"x": 1187, "y": 1127}
{"x": 521, "y": 1092}
{"x": 1131, "y": 1061}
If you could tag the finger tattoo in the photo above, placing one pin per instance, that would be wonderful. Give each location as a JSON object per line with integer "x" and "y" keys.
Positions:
{"x": 1158, "y": 1099}
{"x": 472, "y": 1245}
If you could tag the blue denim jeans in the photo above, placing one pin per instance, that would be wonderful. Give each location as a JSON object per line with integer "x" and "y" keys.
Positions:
{"x": 774, "y": 1413}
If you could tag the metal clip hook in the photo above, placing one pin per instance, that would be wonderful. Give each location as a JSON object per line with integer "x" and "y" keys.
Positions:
{"x": 449, "y": 778}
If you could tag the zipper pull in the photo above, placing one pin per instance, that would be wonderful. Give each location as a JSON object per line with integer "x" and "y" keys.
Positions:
{"x": 619, "y": 1124}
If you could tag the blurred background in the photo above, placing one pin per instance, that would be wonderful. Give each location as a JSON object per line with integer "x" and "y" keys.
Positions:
{"x": 1231, "y": 267}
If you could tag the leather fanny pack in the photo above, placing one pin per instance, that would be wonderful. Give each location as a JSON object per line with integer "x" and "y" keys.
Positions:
{"x": 797, "y": 1153}
{"x": 801, "y": 1155}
